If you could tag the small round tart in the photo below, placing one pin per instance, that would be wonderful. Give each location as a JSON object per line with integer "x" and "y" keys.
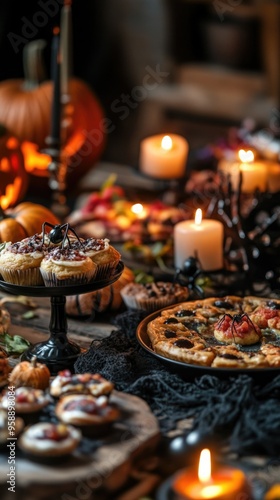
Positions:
{"x": 237, "y": 329}
{"x": 20, "y": 261}
{"x": 67, "y": 266}
{"x": 4, "y": 369}
{"x": 92, "y": 415}
{"x": 5, "y": 433}
{"x": 153, "y": 296}
{"x": 26, "y": 400}
{"x": 104, "y": 255}
{"x": 82, "y": 383}
{"x": 48, "y": 440}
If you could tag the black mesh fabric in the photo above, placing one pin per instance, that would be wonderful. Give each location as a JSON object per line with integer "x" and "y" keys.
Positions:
{"x": 245, "y": 412}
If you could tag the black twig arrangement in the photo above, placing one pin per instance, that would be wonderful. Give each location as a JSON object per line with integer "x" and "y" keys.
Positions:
{"x": 252, "y": 232}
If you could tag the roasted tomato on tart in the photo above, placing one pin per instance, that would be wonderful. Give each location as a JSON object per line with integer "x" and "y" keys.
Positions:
{"x": 267, "y": 317}
{"x": 237, "y": 329}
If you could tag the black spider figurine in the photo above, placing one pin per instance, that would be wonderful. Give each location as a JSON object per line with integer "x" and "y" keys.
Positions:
{"x": 236, "y": 319}
{"x": 188, "y": 274}
{"x": 59, "y": 233}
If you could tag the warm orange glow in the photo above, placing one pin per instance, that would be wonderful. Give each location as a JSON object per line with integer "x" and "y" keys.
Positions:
{"x": 166, "y": 143}
{"x": 12, "y": 143}
{"x": 7, "y": 199}
{"x": 204, "y": 467}
{"x": 223, "y": 483}
{"x": 5, "y": 165}
{"x": 213, "y": 491}
{"x": 198, "y": 217}
{"x": 246, "y": 156}
{"x": 33, "y": 159}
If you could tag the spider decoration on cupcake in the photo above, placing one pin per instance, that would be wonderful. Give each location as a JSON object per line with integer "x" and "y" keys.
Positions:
{"x": 59, "y": 233}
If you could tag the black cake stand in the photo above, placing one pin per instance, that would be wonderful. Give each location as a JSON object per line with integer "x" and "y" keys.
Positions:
{"x": 58, "y": 353}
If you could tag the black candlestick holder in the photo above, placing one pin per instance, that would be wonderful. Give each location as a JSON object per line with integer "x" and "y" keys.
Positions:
{"x": 58, "y": 352}
{"x": 57, "y": 177}
{"x": 172, "y": 189}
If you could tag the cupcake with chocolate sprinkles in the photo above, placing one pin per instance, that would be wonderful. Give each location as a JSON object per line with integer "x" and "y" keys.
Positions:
{"x": 151, "y": 297}
{"x": 104, "y": 255}
{"x": 20, "y": 261}
{"x": 67, "y": 266}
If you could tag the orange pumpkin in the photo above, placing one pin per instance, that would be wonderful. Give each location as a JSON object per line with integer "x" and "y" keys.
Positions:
{"x": 13, "y": 177}
{"x": 24, "y": 220}
{"x": 106, "y": 299}
{"x": 25, "y": 108}
{"x": 30, "y": 374}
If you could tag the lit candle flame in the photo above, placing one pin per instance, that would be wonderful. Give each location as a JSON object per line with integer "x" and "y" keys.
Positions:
{"x": 198, "y": 216}
{"x": 246, "y": 156}
{"x": 166, "y": 143}
{"x": 204, "y": 467}
{"x": 137, "y": 209}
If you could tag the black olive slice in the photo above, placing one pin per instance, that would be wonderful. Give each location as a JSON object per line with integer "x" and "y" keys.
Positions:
{"x": 183, "y": 343}
{"x": 223, "y": 304}
{"x": 273, "y": 305}
{"x": 169, "y": 334}
{"x": 169, "y": 321}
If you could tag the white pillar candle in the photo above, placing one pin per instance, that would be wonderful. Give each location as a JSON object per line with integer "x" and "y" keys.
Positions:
{"x": 164, "y": 157}
{"x": 199, "y": 238}
{"x": 254, "y": 173}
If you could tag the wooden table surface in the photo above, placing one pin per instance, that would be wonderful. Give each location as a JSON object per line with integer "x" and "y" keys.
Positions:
{"x": 139, "y": 476}
{"x": 143, "y": 478}
{"x": 36, "y": 329}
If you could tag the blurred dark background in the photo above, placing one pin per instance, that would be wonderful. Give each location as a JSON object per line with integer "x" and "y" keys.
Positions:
{"x": 194, "y": 67}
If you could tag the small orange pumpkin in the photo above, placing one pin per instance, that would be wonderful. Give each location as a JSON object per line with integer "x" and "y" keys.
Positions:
{"x": 13, "y": 176}
{"x": 30, "y": 374}
{"x": 106, "y": 299}
{"x": 24, "y": 220}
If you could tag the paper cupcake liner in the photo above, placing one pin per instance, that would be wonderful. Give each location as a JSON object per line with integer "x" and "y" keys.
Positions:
{"x": 105, "y": 270}
{"x": 149, "y": 305}
{"x": 23, "y": 277}
{"x": 50, "y": 279}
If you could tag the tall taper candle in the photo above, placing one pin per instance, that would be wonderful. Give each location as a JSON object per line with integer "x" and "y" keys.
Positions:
{"x": 56, "y": 102}
{"x": 66, "y": 46}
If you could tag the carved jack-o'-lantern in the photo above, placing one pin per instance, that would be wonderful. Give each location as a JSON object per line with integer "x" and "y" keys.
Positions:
{"x": 25, "y": 108}
{"x": 13, "y": 177}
